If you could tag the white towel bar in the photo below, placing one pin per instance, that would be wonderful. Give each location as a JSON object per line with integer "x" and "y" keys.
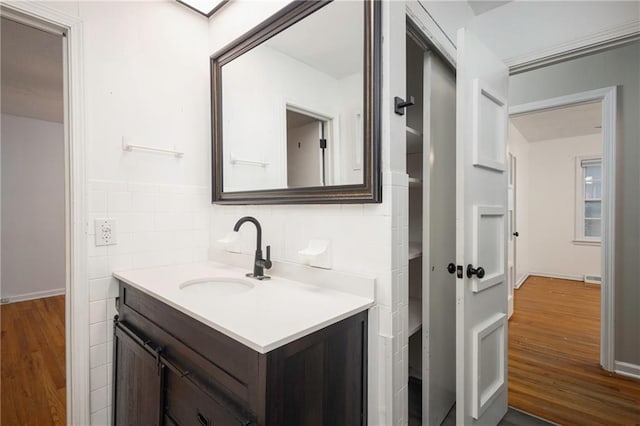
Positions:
{"x": 235, "y": 160}
{"x": 130, "y": 147}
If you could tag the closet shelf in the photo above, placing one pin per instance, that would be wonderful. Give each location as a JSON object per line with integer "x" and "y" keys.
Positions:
{"x": 415, "y": 315}
{"x": 415, "y": 250}
{"x": 415, "y": 182}
{"x": 414, "y": 140}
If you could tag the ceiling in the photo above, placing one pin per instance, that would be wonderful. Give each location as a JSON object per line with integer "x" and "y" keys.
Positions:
{"x": 576, "y": 120}
{"x": 31, "y": 67}
{"x": 480, "y": 6}
{"x": 522, "y": 31}
{"x": 296, "y": 119}
{"x": 329, "y": 40}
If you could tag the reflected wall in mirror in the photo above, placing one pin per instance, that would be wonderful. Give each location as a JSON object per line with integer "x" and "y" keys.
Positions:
{"x": 295, "y": 108}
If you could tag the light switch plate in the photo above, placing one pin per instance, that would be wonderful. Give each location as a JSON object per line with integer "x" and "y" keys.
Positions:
{"x": 105, "y": 232}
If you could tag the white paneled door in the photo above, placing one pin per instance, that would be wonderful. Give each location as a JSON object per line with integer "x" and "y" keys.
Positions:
{"x": 481, "y": 234}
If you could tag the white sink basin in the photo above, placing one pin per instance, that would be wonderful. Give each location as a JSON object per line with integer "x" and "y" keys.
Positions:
{"x": 216, "y": 286}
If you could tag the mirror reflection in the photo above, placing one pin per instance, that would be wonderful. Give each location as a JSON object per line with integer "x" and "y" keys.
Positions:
{"x": 292, "y": 106}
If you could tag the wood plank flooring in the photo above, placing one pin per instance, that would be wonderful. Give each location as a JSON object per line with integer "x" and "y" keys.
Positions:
{"x": 554, "y": 353}
{"x": 32, "y": 367}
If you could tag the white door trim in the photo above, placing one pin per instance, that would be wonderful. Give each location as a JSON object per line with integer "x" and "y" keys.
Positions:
{"x": 607, "y": 96}
{"x": 76, "y": 301}
{"x": 588, "y": 44}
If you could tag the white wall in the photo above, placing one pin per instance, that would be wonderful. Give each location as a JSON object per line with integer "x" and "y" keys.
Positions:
{"x": 33, "y": 208}
{"x": 552, "y": 208}
{"x": 519, "y": 147}
{"x": 146, "y": 76}
{"x": 153, "y": 88}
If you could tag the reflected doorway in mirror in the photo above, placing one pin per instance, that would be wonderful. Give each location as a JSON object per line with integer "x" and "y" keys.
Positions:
{"x": 309, "y": 145}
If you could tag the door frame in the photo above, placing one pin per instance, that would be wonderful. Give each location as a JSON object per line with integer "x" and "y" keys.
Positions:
{"x": 39, "y": 15}
{"x": 333, "y": 120}
{"x": 608, "y": 98}
{"x": 512, "y": 241}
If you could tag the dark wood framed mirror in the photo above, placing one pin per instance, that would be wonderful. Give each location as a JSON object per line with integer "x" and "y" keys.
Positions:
{"x": 295, "y": 107}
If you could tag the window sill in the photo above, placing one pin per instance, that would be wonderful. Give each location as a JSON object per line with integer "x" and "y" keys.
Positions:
{"x": 582, "y": 242}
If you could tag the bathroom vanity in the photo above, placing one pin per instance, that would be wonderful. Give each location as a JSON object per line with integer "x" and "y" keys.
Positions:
{"x": 226, "y": 350}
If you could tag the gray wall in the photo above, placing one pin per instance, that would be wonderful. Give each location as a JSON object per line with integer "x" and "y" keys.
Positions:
{"x": 33, "y": 163}
{"x": 616, "y": 67}
{"x": 33, "y": 213}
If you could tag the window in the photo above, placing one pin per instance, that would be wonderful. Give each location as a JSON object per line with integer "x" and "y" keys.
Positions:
{"x": 589, "y": 199}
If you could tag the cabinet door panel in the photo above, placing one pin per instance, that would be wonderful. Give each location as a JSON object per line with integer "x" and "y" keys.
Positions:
{"x": 138, "y": 383}
{"x": 303, "y": 389}
{"x": 186, "y": 404}
{"x": 344, "y": 376}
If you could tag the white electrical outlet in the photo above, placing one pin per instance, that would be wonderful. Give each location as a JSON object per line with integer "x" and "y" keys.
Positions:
{"x": 105, "y": 232}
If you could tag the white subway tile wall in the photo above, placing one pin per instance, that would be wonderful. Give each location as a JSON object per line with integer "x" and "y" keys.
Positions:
{"x": 394, "y": 317}
{"x": 156, "y": 225}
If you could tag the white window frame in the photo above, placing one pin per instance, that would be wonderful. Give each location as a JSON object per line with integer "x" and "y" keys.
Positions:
{"x": 580, "y": 238}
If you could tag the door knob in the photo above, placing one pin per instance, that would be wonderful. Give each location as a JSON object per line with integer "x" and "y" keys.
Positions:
{"x": 451, "y": 268}
{"x": 479, "y": 272}
{"x": 516, "y": 234}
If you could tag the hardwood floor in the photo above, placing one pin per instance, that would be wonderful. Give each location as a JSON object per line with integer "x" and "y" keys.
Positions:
{"x": 554, "y": 370}
{"x": 32, "y": 367}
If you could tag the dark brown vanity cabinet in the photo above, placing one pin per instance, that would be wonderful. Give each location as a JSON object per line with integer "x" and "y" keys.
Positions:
{"x": 170, "y": 369}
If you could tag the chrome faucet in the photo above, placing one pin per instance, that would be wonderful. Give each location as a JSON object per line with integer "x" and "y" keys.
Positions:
{"x": 259, "y": 263}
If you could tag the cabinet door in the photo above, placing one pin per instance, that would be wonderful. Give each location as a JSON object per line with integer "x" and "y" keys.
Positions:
{"x": 320, "y": 379}
{"x": 138, "y": 381}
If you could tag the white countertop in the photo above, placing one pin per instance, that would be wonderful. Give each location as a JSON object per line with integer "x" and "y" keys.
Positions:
{"x": 271, "y": 314}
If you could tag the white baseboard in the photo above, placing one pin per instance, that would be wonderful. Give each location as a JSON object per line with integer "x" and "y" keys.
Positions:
{"x": 558, "y": 276}
{"x": 33, "y": 295}
{"x": 521, "y": 281}
{"x": 592, "y": 279}
{"x": 627, "y": 369}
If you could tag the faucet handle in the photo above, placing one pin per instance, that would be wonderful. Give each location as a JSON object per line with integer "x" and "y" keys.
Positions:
{"x": 267, "y": 262}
